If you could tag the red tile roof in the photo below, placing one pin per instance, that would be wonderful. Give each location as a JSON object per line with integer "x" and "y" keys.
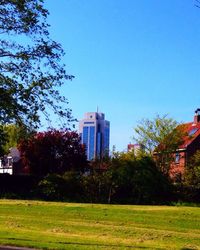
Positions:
{"x": 191, "y": 131}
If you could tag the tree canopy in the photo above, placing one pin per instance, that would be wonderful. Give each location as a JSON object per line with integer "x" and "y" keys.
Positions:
{"x": 162, "y": 136}
{"x": 30, "y": 65}
{"x": 192, "y": 171}
{"x": 13, "y": 134}
{"x": 53, "y": 151}
{"x": 3, "y": 140}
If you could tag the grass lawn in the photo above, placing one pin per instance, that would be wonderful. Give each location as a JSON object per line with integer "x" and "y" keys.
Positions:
{"x": 51, "y": 225}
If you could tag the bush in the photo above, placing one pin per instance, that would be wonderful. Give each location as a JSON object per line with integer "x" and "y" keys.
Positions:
{"x": 128, "y": 181}
{"x": 50, "y": 188}
{"x": 60, "y": 188}
{"x": 138, "y": 181}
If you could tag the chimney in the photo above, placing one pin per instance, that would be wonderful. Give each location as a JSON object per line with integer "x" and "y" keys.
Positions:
{"x": 197, "y": 116}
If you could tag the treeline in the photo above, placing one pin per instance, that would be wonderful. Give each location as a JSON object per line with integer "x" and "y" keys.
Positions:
{"x": 53, "y": 166}
{"x": 126, "y": 181}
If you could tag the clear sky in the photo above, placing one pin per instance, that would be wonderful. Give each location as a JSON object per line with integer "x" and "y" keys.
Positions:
{"x": 132, "y": 58}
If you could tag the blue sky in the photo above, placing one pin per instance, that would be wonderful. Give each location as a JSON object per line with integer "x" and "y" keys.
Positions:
{"x": 133, "y": 59}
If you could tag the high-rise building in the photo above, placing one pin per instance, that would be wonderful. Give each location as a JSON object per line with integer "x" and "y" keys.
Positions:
{"x": 95, "y": 135}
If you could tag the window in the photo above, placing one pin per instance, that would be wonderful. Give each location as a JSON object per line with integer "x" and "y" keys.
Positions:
{"x": 193, "y": 131}
{"x": 177, "y": 158}
{"x": 98, "y": 145}
{"x": 85, "y": 137}
{"x": 88, "y": 122}
{"x": 91, "y": 143}
{"x": 106, "y": 140}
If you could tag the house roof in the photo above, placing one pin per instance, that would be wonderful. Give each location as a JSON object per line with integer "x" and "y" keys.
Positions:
{"x": 191, "y": 130}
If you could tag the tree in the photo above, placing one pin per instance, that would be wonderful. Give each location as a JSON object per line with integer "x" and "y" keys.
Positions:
{"x": 65, "y": 187}
{"x": 3, "y": 140}
{"x": 30, "y": 68}
{"x": 10, "y": 136}
{"x": 128, "y": 179}
{"x": 160, "y": 136}
{"x": 136, "y": 180}
{"x": 53, "y": 152}
{"x": 192, "y": 172}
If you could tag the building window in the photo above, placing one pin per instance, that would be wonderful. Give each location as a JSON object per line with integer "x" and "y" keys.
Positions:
{"x": 85, "y": 138}
{"x": 92, "y": 143}
{"x": 106, "y": 141}
{"x": 98, "y": 145}
{"x": 177, "y": 158}
{"x": 88, "y": 122}
{"x": 193, "y": 131}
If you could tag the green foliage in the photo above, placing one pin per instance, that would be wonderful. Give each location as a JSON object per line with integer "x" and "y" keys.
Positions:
{"x": 192, "y": 172}
{"x": 60, "y": 187}
{"x": 160, "y": 130}
{"x": 128, "y": 180}
{"x": 98, "y": 187}
{"x": 14, "y": 133}
{"x": 3, "y": 140}
{"x": 13, "y": 136}
{"x": 189, "y": 189}
{"x": 138, "y": 181}
{"x": 160, "y": 136}
{"x": 51, "y": 187}
{"x": 31, "y": 71}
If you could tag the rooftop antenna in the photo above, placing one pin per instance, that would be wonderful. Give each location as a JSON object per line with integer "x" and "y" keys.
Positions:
{"x": 97, "y": 109}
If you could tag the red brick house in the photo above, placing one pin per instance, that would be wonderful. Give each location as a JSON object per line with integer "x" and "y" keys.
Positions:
{"x": 191, "y": 143}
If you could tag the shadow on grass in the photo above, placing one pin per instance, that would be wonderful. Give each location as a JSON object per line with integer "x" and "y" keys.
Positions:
{"x": 106, "y": 245}
{"x": 91, "y": 244}
{"x": 188, "y": 248}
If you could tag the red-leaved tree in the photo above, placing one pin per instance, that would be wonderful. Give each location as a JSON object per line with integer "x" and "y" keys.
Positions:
{"x": 52, "y": 152}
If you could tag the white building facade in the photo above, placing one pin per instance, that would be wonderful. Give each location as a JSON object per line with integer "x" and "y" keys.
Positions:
{"x": 95, "y": 135}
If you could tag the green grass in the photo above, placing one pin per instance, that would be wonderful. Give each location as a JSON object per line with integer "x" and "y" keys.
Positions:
{"x": 51, "y": 225}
